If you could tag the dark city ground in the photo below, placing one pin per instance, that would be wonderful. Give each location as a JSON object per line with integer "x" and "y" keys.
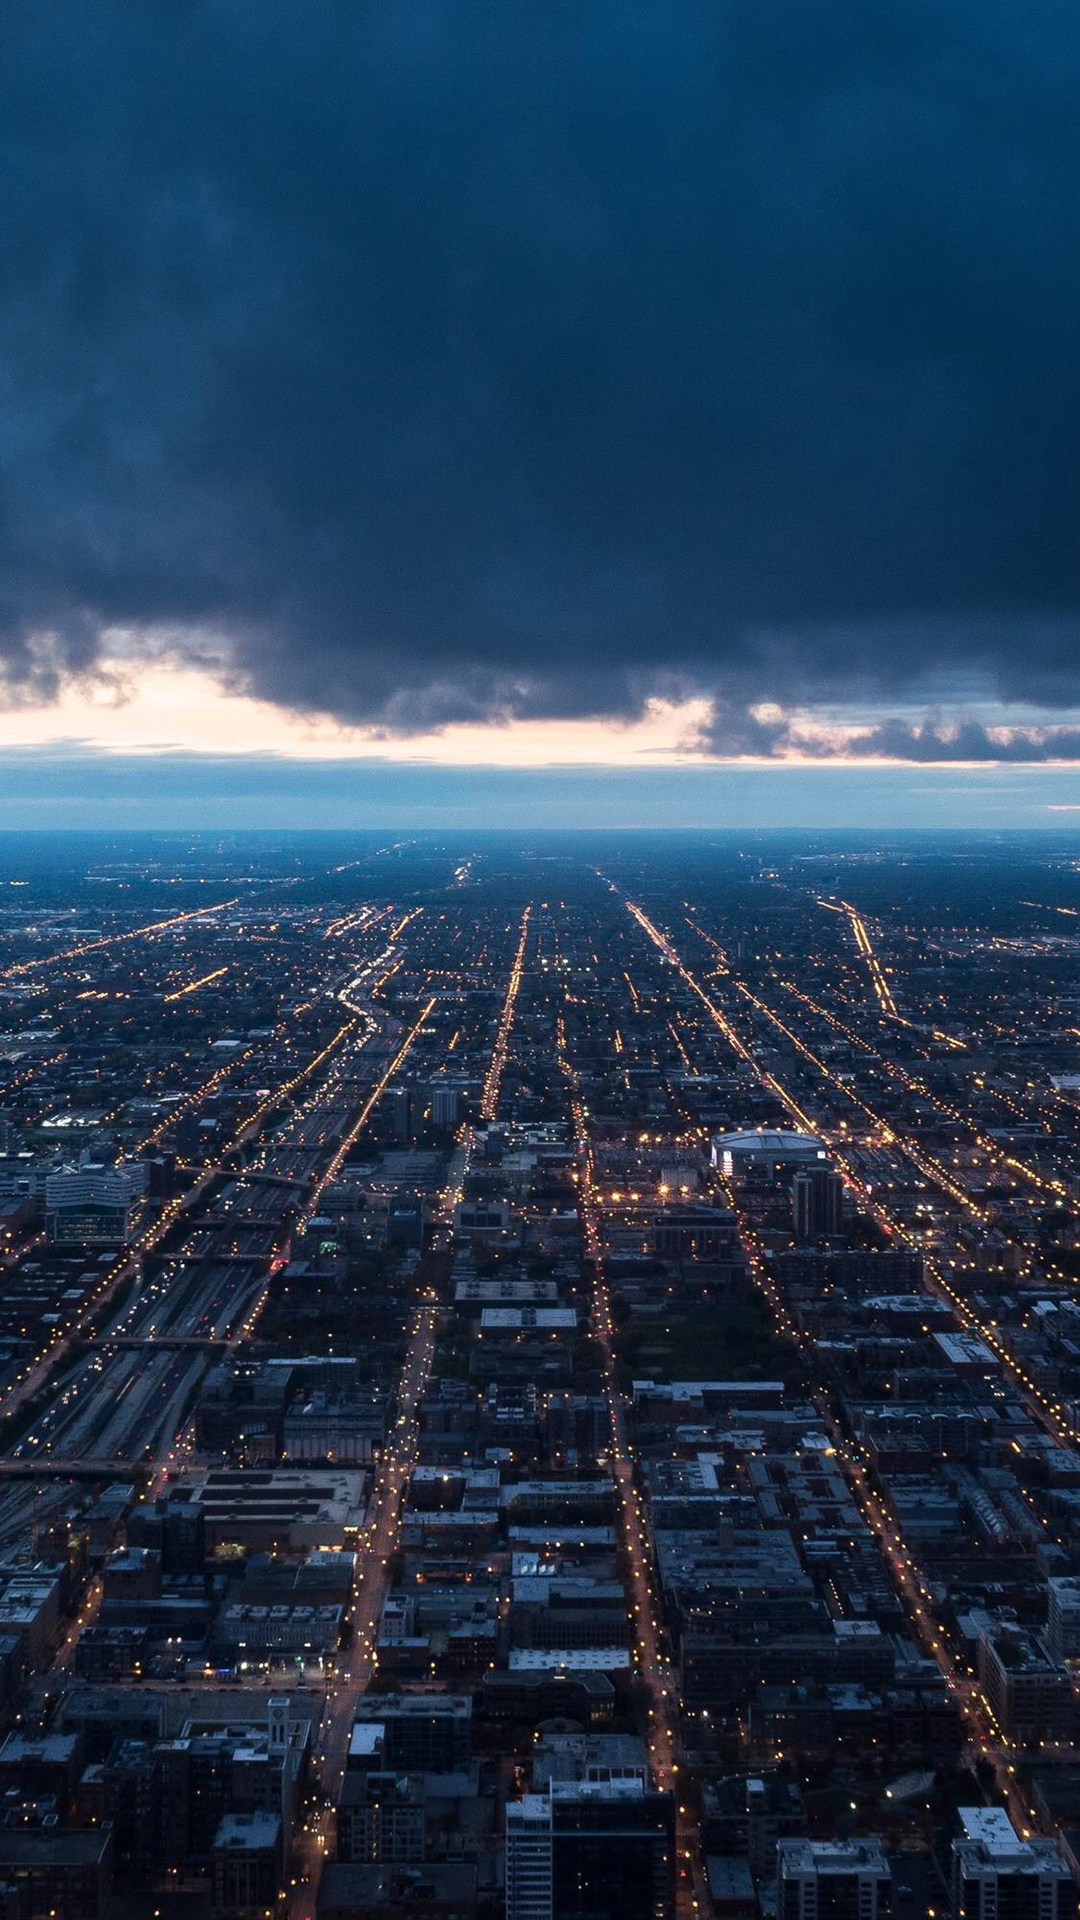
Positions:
{"x": 539, "y": 1374}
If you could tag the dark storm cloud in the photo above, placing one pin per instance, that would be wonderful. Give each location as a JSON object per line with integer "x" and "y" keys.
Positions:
{"x": 738, "y": 735}
{"x": 468, "y": 358}
{"x": 970, "y": 741}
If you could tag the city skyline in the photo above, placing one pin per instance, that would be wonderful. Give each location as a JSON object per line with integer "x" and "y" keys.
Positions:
{"x": 539, "y": 960}
{"x": 539, "y": 1375}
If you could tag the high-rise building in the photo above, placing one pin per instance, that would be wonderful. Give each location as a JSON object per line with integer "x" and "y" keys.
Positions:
{"x": 529, "y": 1858}
{"x": 817, "y": 1203}
{"x": 444, "y": 1106}
{"x": 832, "y": 1880}
{"x": 1063, "y": 1618}
{"x": 587, "y": 1849}
{"x": 996, "y": 1874}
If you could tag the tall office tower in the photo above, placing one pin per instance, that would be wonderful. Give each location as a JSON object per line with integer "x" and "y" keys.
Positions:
{"x": 529, "y": 1858}
{"x": 995, "y": 1873}
{"x": 817, "y": 1203}
{"x": 588, "y": 1849}
{"x": 840, "y": 1879}
{"x": 444, "y": 1106}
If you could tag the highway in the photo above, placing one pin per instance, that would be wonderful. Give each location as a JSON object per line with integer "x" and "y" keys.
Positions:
{"x": 34, "y": 1376}
{"x": 126, "y": 1404}
{"x": 122, "y": 1398}
{"x": 114, "y": 939}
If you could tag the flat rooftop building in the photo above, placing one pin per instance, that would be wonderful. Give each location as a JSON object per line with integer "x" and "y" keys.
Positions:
{"x": 995, "y": 1872}
{"x": 412, "y": 1732}
{"x": 587, "y": 1847}
{"x": 276, "y": 1507}
{"x": 844, "y": 1879}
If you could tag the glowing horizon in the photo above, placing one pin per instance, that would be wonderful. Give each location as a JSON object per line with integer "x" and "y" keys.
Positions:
{"x": 165, "y": 707}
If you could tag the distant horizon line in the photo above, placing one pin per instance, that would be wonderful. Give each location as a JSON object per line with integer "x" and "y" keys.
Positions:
{"x": 606, "y": 831}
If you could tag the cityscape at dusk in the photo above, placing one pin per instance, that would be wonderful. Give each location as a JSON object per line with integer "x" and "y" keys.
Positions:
{"x": 540, "y": 1375}
{"x": 539, "y": 960}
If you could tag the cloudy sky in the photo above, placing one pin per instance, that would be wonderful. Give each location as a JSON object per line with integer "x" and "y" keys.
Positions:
{"x": 650, "y": 407}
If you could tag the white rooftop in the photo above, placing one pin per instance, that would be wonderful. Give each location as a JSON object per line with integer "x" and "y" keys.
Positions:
{"x": 989, "y": 1824}
{"x": 770, "y": 1140}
